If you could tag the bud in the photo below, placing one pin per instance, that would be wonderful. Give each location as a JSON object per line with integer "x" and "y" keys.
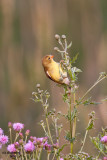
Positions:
{"x": 57, "y": 36}
{"x": 27, "y": 132}
{"x": 21, "y": 141}
{"x": 16, "y": 145}
{"x": 31, "y": 138}
{"x": 63, "y": 37}
{"x": 21, "y": 135}
{"x": 48, "y": 147}
{"x": 56, "y": 146}
{"x": 9, "y": 124}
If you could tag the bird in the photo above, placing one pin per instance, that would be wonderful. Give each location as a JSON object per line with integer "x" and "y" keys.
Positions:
{"x": 54, "y": 71}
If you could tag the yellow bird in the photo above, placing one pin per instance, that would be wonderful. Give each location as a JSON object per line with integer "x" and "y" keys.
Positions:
{"x": 54, "y": 71}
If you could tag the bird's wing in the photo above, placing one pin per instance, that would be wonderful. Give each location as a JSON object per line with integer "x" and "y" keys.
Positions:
{"x": 47, "y": 73}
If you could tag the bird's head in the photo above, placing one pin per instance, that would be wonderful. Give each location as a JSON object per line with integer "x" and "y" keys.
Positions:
{"x": 47, "y": 60}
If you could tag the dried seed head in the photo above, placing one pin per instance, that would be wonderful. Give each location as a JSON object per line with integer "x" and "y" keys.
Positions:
{"x": 56, "y": 49}
{"x": 57, "y": 36}
{"x": 38, "y": 86}
{"x": 63, "y": 37}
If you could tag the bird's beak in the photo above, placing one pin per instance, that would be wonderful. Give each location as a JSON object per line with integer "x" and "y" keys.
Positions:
{"x": 52, "y": 56}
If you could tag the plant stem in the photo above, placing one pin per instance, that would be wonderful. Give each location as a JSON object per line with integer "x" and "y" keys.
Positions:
{"x": 74, "y": 128}
{"x": 48, "y": 156}
{"x": 70, "y": 126}
{"x": 99, "y": 80}
{"x": 17, "y": 135}
{"x": 49, "y": 133}
{"x": 10, "y": 135}
{"x": 54, "y": 154}
{"x": 84, "y": 140}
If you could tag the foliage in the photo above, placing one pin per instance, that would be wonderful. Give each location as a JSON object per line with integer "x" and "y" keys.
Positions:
{"x": 51, "y": 142}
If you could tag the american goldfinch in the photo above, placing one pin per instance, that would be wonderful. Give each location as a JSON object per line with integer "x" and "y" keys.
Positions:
{"x": 54, "y": 70}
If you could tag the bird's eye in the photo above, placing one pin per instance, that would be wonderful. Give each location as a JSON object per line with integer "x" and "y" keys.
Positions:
{"x": 49, "y": 58}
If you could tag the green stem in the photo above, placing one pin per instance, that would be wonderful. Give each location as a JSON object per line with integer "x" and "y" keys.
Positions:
{"x": 56, "y": 129}
{"x": 17, "y": 135}
{"x": 48, "y": 156}
{"x": 49, "y": 133}
{"x": 70, "y": 126}
{"x": 73, "y": 128}
{"x": 84, "y": 141}
{"x": 10, "y": 135}
{"x": 21, "y": 152}
{"x": 98, "y": 156}
{"x": 54, "y": 154}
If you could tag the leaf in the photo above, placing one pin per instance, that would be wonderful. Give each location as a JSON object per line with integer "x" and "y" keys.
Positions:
{"x": 104, "y": 99}
{"x": 62, "y": 148}
{"x": 88, "y": 101}
{"x": 68, "y": 137}
{"x": 73, "y": 115}
{"x": 103, "y": 73}
{"x": 69, "y": 45}
{"x": 90, "y": 126}
{"x": 75, "y": 58}
{"x": 75, "y": 70}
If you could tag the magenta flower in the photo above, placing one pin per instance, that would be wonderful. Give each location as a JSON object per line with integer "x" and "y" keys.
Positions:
{"x": 18, "y": 126}
{"x": 104, "y": 139}
{"x": 3, "y": 139}
{"x": 11, "y": 148}
{"x": 29, "y": 147}
{"x": 1, "y": 131}
{"x": 61, "y": 159}
{"x": 105, "y": 158}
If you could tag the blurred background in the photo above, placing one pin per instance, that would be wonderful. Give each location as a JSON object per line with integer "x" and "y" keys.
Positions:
{"x": 27, "y": 29}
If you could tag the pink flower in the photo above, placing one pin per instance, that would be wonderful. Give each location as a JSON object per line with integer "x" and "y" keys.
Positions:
{"x": 1, "y": 131}
{"x": 3, "y": 139}
{"x": 104, "y": 139}
{"x": 61, "y": 159}
{"x": 105, "y": 158}
{"x": 18, "y": 126}
{"x": 29, "y": 147}
{"x": 11, "y": 148}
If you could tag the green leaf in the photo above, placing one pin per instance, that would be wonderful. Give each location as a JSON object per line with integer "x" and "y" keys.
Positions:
{"x": 69, "y": 45}
{"x": 104, "y": 99}
{"x": 62, "y": 148}
{"x": 75, "y": 58}
{"x": 76, "y": 70}
{"x": 88, "y": 101}
{"x": 68, "y": 137}
{"x": 103, "y": 73}
{"x": 73, "y": 115}
{"x": 90, "y": 126}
